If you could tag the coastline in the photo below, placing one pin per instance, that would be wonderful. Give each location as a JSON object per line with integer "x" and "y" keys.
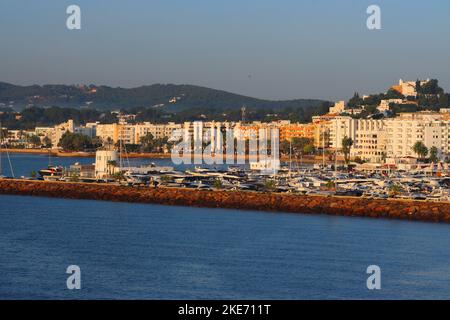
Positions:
{"x": 242, "y": 200}
{"x": 70, "y": 154}
{"x": 133, "y": 155}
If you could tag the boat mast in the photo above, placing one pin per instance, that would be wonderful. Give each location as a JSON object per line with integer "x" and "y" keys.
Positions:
{"x": 1, "y": 140}
{"x": 290, "y": 156}
{"x": 323, "y": 146}
{"x": 7, "y": 154}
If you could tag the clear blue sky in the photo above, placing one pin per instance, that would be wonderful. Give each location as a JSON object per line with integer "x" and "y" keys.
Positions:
{"x": 277, "y": 49}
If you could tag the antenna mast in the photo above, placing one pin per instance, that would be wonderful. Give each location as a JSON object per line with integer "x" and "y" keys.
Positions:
{"x": 243, "y": 109}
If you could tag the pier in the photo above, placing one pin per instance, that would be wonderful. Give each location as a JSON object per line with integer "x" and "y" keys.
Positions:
{"x": 245, "y": 200}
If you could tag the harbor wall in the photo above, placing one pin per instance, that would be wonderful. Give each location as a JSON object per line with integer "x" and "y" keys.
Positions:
{"x": 247, "y": 200}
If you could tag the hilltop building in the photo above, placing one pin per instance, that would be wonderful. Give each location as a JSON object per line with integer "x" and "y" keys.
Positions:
{"x": 408, "y": 88}
{"x": 338, "y": 108}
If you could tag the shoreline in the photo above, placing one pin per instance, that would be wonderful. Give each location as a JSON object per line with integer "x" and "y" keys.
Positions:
{"x": 57, "y": 153}
{"x": 241, "y": 200}
{"x": 133, "y": 155}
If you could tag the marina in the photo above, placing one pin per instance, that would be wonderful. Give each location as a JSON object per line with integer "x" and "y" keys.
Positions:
{"x": 422, "y": 183}
{"x": 404, "y": 179}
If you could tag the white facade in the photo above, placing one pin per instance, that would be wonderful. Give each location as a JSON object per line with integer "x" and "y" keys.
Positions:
{"x": 104, "y": 160}
{"x": 338, "y": 107}
{"x": 158, "y": 131}
{"x": 370, "y": 140}
{"x": 407, "y": 129}
{"x": 368, "y": 136}
{"x": 58, "y": 131}
{"x": 340, "y": 127}
{"x": 385, "y": 104}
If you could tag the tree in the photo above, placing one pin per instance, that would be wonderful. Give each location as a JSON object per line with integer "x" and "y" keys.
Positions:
{"x": 299, "y": 144}
{"x": 96, "y": 142}
{"x": 420, "y": 149}
{"x": 395, "y": 189}
{"x": 217, "y": 184}
{"x": 347, "y": 144}
{"x": 418, "y": 87}
{"x": 110, "y": 165}
{"x": 47, "y": 142}
{"x": 75, "y": 142}
{"x": 434, "y": 154}
{"x": 330, "y": 185}
{"x": 355, "y": 101}
{"x": 108, "y": 142}
{"x": 309, "y": 149}
{"x": 443, "y": 100}
{"x": 34, "y": 140}
{"x": 285, "y": 147}
{"x": 3, "y": 134}
{"x": 432, "y": 87}
{"x": 270, "y": 185}
{"x": 148, "y": 142}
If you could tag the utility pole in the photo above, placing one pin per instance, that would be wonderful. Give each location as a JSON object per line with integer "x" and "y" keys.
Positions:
{"x": 243, "y": 109}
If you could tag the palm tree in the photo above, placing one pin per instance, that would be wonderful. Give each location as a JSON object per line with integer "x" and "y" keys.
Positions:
{"x": 111, "y": 164}
{"x": 347, "y": 143}
{"x": 434, "y": 154}
{"x": 420, "y": 149}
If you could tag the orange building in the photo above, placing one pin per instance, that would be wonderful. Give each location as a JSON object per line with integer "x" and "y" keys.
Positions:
{"x": 296, "y": 130}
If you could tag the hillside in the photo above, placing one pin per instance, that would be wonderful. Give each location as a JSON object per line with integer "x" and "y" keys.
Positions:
{"x": 168, "y": 97}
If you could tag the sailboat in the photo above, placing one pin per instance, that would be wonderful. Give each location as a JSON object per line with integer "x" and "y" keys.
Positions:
{"x": 51, "y": 172}
{"x": 1, "y": 140}
{"x": 7, "y": 154}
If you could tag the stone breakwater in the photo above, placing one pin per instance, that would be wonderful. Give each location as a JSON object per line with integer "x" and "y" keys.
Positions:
{"x": 343, "y": 206}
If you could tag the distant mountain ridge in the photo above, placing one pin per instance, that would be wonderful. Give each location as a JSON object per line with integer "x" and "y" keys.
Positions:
{"x": 168, "y": 97}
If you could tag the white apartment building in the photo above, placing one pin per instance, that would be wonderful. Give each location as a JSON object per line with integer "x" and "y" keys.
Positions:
{"x": 385, "y": 104}
{"x": 404, "y": 131}
{"x": 338, "y": 108}
{"x": 104, "y": 163}
{"x": 368, "y": 136}
{"x": 90, "y": 129}
{"x": 370, "y": 140}
{"x": 408, "y": 88}
{"x": 170, "y": 130}
{"x": 108, "y": 132}
{"x": 58, "y": 131}
{"x": 116, "y": 132}
{"x": 340, "y": 127}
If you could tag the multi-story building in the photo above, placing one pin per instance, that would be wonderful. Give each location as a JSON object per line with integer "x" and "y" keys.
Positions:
{"x": 408, "y": 88}
{"x": 338, "y": 108}
{"x": 116, "y": 132}
{"x": 90, "y": 129}
{"x": 108, "y": 132}
{"x": 296, "y": 130}
{"x": 385, "y": 104}
{"x": 428, "y": 127}
{"x": 322, "y": 126}
{"x": 339, "y": 128}
{"x": 58, "y": 131}
{"x": 158, "y": 131}
{"x": 370, "y": 140}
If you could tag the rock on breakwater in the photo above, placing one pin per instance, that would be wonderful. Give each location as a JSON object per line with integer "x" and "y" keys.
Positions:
{"x": 282, "y": 202}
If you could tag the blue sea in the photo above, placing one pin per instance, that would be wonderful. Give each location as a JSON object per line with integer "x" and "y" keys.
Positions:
{"x": 140, "y": 251}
